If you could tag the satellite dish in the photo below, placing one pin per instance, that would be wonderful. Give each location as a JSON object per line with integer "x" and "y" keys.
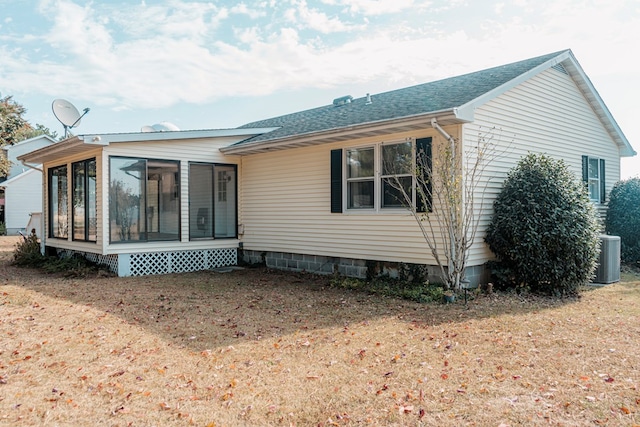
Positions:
{"x": 165, "y": 127}
{"x": 67, "y": 114}
{"x": 147, "y": 129}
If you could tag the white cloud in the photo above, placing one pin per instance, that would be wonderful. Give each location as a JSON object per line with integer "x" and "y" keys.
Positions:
{"x": 172, "y": 53}
{"x": 307, "y": 17}
{"x": 173, "y": 19}
{"x": 75, "y": 31}
{"x": 375, "y": 7}
{"x": 242, "y": 9}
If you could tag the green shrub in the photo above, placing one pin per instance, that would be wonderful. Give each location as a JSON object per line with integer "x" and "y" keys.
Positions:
{"x": 623, "y": 218}
{"x": 396, "y": 288}
{"x": 74, "y": 266}
{"x": 544, "y": 231}
{"x": 27, "y": 253}
{"x": 3, "y": 229}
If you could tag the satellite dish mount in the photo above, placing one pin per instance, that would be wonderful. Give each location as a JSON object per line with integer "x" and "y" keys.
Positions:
{"x": 67, "y": 114}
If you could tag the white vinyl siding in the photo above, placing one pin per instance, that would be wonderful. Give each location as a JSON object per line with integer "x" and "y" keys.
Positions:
{"x": 285, "y": 206}
{"x": 546, "y": 114}
{"x": 23, "y": 196}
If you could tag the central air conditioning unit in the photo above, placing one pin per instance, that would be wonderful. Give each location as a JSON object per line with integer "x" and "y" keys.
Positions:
{"x": 608, "y": 270}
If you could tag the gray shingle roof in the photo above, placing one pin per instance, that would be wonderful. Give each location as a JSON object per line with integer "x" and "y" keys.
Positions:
{"x": 425, "y": 98}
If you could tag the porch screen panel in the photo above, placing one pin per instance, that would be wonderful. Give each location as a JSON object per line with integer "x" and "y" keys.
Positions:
{"x": 200, "y": 201}
{"x": 92, "y": 203}
{"x": 58, "y": 202}
{"x": 225, "y": 215}
{"x": 163, "y": 200}
{"x": 127, "y": 185}
{"x": 213, "y": 206}
{"x": 84, "y": 200}
{"x": 79, "y": 201}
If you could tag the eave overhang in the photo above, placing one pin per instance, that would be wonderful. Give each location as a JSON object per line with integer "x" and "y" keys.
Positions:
{"x": 79, "y": 144}
{"x": 362, "y": 130}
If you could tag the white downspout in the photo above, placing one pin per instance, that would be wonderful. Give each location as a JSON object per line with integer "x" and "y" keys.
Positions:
{"x": 452, "y": 249}
{"x": 436, "y": 126}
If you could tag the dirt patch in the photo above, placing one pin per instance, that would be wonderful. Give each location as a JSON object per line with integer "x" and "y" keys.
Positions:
{"x": 256, "y": 347}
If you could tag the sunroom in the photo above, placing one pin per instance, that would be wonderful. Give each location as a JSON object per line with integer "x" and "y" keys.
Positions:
{"x": 143, "y": 203}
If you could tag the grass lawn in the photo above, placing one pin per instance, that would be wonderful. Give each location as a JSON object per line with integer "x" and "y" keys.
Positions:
{"x": 257, "y": 348}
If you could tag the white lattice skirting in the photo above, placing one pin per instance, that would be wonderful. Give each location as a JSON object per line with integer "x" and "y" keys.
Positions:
{"x": 150, "y": 263}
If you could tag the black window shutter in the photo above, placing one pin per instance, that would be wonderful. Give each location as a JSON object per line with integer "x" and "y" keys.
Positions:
{"x": 585, "y": 169}
{"x": 336, "y": 181}
{"x": 424, "y": 164}
{"x": 603, "y": 183}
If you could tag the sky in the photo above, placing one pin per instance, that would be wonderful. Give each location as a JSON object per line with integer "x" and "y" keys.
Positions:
{"x": 220, "y": 64}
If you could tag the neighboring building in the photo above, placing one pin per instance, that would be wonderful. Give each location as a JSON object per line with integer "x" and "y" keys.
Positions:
{"x": 23, "y": 185}
{"x": 307, "y": 191}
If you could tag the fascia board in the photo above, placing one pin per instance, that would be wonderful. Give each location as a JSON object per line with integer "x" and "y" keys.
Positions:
{"x": 106, "y": 139}
{"x": 318, "y": 137}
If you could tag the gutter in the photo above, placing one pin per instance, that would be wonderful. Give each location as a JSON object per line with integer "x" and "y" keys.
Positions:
{"x": 317, "y": 136}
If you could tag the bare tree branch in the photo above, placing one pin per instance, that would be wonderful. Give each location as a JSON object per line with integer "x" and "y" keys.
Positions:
{"x": 453, "y": 183}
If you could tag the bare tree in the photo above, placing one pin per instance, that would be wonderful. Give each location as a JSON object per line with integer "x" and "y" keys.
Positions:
{"x": 451, "y": 182}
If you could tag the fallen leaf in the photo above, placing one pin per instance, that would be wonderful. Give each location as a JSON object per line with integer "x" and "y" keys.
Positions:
{"x": 164, "y": 406}
{"x": 406, "y": 409}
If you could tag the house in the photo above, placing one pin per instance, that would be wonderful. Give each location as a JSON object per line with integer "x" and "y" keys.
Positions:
{"x": 307, "y": 191}
{"x": 23, "y": 185}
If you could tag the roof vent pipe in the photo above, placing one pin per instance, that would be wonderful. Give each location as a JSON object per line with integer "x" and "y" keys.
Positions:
{"x": 368, "y": 100}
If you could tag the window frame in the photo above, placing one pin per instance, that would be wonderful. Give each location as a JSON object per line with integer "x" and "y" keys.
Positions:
{"x": 360, "y": 179}
{"x": 594, "y": 182}
{"x": 145, "y": 194}
{"x": 218, "y": 188}
{"x": 384, "y": 176}
{"x": 379, "y": 176}
{"x": 86, "y": 202}
{"x": 53, "y": 232}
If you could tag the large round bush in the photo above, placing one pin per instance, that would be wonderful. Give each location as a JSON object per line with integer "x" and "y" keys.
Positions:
{"x": 623, "y": 218}
{"x": 544, "y": 230}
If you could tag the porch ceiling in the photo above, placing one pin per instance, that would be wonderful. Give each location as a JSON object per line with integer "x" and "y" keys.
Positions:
{"x": 68, "y": 147}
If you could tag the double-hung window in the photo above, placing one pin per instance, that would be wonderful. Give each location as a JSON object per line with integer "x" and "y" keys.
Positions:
{"x": 381, "y": 177}
{"x": 361, "y": 178}
{"x": 593, "y": 175}
{"x": 397, "y": 177}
